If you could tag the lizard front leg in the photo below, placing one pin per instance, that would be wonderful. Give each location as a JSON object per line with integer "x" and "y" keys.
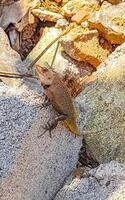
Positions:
{"x": 45, "y": 103}
{"x": 50, "y": 126}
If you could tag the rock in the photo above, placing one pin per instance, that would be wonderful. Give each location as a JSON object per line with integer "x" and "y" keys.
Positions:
{"x": 103, "y": 102}
{"x": 9, "y": 59}
{"x": 14, "y": 12}
{"x": 58, "y": 1}
{"x": 61, "y": 23}
{"x": 105, "y": 182}
{"x": 115, "y": 1}
{"x": 64, "y": 2}
{"x": 84, "y": 13}
{"x": 73, "y": 6}
{"x": 46, "y": 15}
{"x": 85, "y": 24}
{"x": 6, "y": 2}
{"x": 83, "y": 45}
{"x": 47, "y": 37}
{"x": 32, "y": 167}
{"x": 110, "y": 21}
{"x": 62, "y": 61}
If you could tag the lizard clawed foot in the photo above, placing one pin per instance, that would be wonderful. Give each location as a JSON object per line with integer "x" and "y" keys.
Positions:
{"x": 49, "y": 127}
{"x": 45, "y": 104}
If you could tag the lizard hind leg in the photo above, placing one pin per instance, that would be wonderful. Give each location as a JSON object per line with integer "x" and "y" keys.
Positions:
{"x": 49, "y": 126}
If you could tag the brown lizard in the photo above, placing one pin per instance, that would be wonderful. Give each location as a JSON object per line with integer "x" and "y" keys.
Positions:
{"x": 59, "y": 96}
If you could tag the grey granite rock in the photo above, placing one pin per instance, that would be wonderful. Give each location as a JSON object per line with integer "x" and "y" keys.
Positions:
{"x": 107, "y": 182}
{"x": 9, "y": 59}
{"x": 32, "y": 167}
{"x": 104, "y": 108}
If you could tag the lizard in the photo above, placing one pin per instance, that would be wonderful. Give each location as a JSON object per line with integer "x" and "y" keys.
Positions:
{"x": 59, "y": 97}
{"x": 61, "y": 100}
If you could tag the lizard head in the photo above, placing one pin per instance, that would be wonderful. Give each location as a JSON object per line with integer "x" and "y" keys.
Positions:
{"x": 46, "y": 75}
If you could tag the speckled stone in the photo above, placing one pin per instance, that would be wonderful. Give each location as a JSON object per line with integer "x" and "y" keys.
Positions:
{"x": 110, "y": 21}
{"x": 103, "y": 102}
{"x": 105, "y": 182}
{"x": 32, "y": 167}
{"x": 9, "y": 59}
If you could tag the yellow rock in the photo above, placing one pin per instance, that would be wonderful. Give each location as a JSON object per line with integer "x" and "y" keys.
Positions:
{"x": 83, "y": 45}
{"x": 46, "y": 15}
{"x": 110, "y": 21}
{"x": 84, "y": 13}
{"x": 73, "y": 6}
{"x": 62, "y": 62}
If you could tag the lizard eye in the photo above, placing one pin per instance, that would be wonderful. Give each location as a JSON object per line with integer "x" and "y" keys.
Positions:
{"x": 49, "y": 78}
{"x": 44, "y": 69}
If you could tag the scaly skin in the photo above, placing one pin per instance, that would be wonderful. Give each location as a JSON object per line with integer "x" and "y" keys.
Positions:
{"x": 59, "y": 97}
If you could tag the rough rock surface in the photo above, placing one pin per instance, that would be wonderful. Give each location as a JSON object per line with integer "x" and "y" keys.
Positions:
{"x": 48, "y": 36}
{"x": 84, "y": 13}
{"x": 9, "y": 59}
{"x": 46, "y": 15}
{"x": 13, "y": 13}
{"x": 105, "y": 182}
{"x": 62, "y": 61}
{"x": 37, "y": 166}
{"x": 103, "y": 102}
{"x": 84, "y": 46}
{"x": 110, "y": 21}
{"x": 73, "y": 6}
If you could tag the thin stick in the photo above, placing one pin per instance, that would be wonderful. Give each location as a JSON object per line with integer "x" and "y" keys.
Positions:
{"x": 16, "y": 75}
{"x": 54, "y": 55}
{"x": 10, "y": 76}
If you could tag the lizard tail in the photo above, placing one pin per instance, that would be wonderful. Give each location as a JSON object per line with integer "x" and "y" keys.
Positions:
{"x": 73, "y": 129}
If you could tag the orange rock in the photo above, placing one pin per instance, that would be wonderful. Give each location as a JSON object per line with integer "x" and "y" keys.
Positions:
{"x": 84, "y": 13}
{"x": 58, "y": 1}
{"x": 110, "y": 22}
{"x": 114, "y": 1}
{"x": 73, "y": 6}
{"x": 80, "y": 16}
{"x": 83, "y": 45}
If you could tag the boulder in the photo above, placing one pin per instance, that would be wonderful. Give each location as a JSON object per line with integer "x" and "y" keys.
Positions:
{"x": 110, "y": 21}
{"x": 32, "y": 167}
{"x": 105, "y": 182}
{"x": 103, "y": 103}
{"x": 73, "y": 6}
{"x": 82, "y": 44}
{"x": 46, "y": 15}
{"x": 9, "y": 59}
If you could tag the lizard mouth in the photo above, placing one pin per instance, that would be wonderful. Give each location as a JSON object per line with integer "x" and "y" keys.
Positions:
{"x": 38, "y": 69}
